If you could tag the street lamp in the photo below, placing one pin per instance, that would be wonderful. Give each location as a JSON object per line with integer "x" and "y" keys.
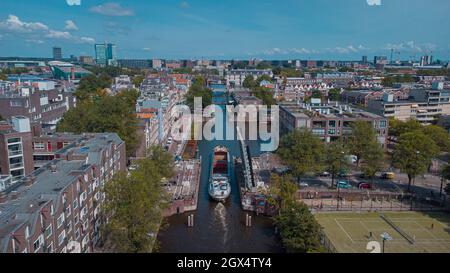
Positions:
{"x": 386, "y": 237}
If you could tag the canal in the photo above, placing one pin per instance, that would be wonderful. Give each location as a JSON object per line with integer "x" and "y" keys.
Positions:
{"x": 219, "y": 228}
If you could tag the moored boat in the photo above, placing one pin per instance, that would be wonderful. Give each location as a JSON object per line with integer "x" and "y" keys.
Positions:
{"x": 219, "y": 183}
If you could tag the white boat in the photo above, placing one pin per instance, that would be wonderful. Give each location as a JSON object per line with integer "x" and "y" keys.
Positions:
{"x": 219, "y": 182}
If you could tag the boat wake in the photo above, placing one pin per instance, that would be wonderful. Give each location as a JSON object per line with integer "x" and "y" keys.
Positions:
{"x": 221, "y": 215}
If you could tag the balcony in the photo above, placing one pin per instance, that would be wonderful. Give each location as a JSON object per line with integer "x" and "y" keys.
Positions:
{"x": 16, "y": 166}
{"x": 15, "y": 153}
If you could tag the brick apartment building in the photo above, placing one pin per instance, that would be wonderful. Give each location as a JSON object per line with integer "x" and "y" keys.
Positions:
{"x": 330, "y": 122}
{"x": 44, "y": 103}
{"x": 425, "y": 106}
{"x": 16, "y": 158}
{"x": 56, "y": 208}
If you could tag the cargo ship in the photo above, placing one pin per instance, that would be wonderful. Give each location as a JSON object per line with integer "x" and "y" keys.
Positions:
{"x": 219, "y": 183}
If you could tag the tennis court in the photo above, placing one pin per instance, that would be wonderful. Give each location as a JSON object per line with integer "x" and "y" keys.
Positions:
{"x": 410, "y": 232}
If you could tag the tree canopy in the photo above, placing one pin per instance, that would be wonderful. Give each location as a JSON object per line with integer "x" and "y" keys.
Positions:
{"x": 335, "y": 159}
{"x": 92, "y": 86}
{"x": 438, "y": 134}
{"x": 302, "y": 151}
{"x": 362, "y": 135}
{"x": 299, "y": 230}
{"x": 413, "y": 154}
{"x": 135, "y": 203}
{"x": 114, "y": 114}
{"x": 199, "y": 89}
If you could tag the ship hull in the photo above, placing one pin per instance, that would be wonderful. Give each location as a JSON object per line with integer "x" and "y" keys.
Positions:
{"x": 219, "y": 187}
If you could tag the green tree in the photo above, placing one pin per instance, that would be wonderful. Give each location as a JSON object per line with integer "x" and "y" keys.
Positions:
{"x": 115, "y": 114}
{"x": 92, "y": 87}
{"x": 334, "y": 94}
{"x": 302, "y": 151}
{"x": 373, "y": 159}
{"x": 137, "y": 80}
{"x": 281, "y": 190}
{"x": 249, "y": 82}
{"x": 299, "y": 230}
{"x": 439, "y": 135}
{"x": 413, "y": 154}
{"x": 362, "y": 135}
{"x": 135, "y": 203}
{"x": 199, "y": 90}
{"x": 263, "y": 65}
{"x": 335, "y": 159}
{"x": 265, "y": 94}
{"x": 397, "y": 127}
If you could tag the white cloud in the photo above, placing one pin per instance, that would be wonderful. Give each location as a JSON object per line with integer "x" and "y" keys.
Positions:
{"x": 411, "y": 46}
{"x": 35, "y": 41}
{"x": 87, "y": 40}
{"x": 112, "y": 9}
{"x": 73, "y": 2}
{"x": 348, "y": 49}
{"x": 147, "y": 49}
{"x": 70, "y": 25}
{"x": 55, "y": 34}
{"x": 280, "y": 51}
{"x": 14, "y": 24}
{"x": 374, "y": 2}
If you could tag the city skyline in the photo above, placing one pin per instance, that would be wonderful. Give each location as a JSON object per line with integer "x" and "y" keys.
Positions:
{"x": 195, "y": 29}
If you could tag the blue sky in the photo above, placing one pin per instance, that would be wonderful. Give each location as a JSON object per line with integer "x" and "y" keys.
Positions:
{"x": 226, "y": 29}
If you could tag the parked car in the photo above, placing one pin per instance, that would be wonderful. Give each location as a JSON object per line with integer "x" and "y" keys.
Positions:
{"x": 364, "y": 186}
{"x": 304, "y": 184}
{"x": 324, "y": 174}
{"x": 281, "y": 170}
{"x": 342, "y": 184}
{"x": 388, "y": 175}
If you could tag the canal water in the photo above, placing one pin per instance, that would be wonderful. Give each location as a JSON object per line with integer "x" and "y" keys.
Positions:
{"x": 219, "y": 228}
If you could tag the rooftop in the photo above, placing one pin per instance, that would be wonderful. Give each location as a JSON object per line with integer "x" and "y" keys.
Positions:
{"x": 339, "y": 111}
{"x": 25, "y": 198}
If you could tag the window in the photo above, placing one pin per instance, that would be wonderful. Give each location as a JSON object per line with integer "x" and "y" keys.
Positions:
{"x": 38, "y": 243}
{"x": 383, "y": 124}
{"x": 14, "y": 140}
{"x": 68, "y": 211}
{"x": 27, "y": 232}
{"x": 83, "y": 196}
{"x": 75, "y": 203}
{"x": 85, "y": 225}
{"x": 61, "y": 237}
{"x": 60, "y": 220}
{"x": 16, "y": 103}
{"x": 48, "y": 231}
{"x": 76, "y": 219}
{"x": 50, "y": 248}
{"x": 69, "y": 226}
{"x": 39, "y": 146}
{"x": 77, "y": 234}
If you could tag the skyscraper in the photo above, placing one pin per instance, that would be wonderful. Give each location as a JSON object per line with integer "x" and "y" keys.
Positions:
{"x": 100, "y": 54}
{"x": 111, "y": 54}
{"x": 105, "y": 54}
{"x": 57, "y": 53}
{"x": 364, "y": 59}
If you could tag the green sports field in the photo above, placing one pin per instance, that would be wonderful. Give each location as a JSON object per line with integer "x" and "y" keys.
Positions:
{"x": 349, "y": 232}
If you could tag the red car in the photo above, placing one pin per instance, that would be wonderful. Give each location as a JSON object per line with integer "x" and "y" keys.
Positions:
{"x": 364, "y": 186}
